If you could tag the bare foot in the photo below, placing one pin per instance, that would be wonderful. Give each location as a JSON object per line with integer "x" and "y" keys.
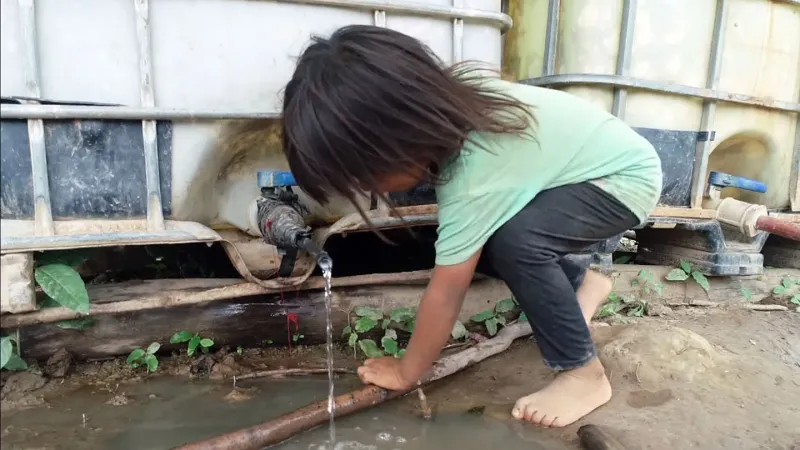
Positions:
{"x": 570, "y": 396}
{"x": 592, "y": 293}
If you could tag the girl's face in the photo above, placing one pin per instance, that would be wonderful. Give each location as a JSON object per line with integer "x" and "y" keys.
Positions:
{"x": 401, "y": 182}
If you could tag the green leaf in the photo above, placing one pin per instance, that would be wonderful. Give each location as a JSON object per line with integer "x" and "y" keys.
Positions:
{"x": 153, "y": 348}
{"x": 402, "y": 315}
{"x": 482, "y": 316}
{"x": 365, "y": 324}
{"x": 208, "y": 343}
{"x": 370, "y": 348}
{"x": 135, "y": 355}
{"x": 402, "y": 353}
{"x": 504, "y": 306}
{"x": 634, "y": 282}
{"x": 623, "y": 259}
{"x": 347, "y": 330}
{"x": 701, "y": 280}
{"x": 746, "y": 293}
{"x": 83, "y": 323}
{"x": 609, "y": 309}
{"x": 385, "y": 323}
{"x": 15, "y": 363}
{"x": 389, "y": 345}
{"x": 491, "y": 326}
{"x": 410, "y": 325}
{"x": 780, "y": 290}
{"x": 152, "y": 362}
{"x": 686, "y": 267}
{"x": 659, "y": 288}
{"x": 6, "y": 350}
{"x": 459, "y": 331}
{"x": 180, "y": 337}
{"x": 64, "y": 285}
{"x": 193, "y": 343}
{"x": 351, "y": 341}
{"x": 645, "y": 275}
{"x": 135, "y": 365}
{"x": 522, "y": 317}
{"x": 501, "y": 320}
{"x": 368, "y": 311}
{"x": 49, "y": 303}
{"x": 677, "y": 275}
{"x": 391, "y": 334}
{"x": 787, "y": 282}
{"x": 795, "y": 299}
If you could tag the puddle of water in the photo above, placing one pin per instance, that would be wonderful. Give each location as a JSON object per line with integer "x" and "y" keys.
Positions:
{"x": 165, "y": 412}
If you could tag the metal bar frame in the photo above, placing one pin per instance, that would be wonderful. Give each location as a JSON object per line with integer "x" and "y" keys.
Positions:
{"x": 458, "y": 34}
{"x": 498, "y": 19}
{"x": 592, "y": 79}
{"x": 43, "y": 214}
{"x": 551, "y": 38}
{"x": 703, "y": 149}
{"x": 155, "y": 213}
{"x": 624, "y": 55}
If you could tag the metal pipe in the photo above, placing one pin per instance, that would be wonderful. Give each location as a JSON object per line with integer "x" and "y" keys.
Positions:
{"x": 155, "y": 213}
{"x": 782, "y": 228}
{"x": 379, "y": 18}
{"x": 591, "y": 79}
{"x": 43, "y": 214}
{"x": 703, "y": 148}
{"x": 624, "y": 55}
{"x": 551, "y": 37}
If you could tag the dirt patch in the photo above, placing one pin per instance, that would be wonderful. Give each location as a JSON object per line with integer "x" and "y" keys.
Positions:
{"x": 707, "y": 379}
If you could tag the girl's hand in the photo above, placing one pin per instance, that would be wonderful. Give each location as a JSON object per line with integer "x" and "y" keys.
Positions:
{"x": 384, "y": 372}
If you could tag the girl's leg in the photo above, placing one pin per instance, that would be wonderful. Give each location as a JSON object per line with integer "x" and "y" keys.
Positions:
{"x": 527, "y": 253}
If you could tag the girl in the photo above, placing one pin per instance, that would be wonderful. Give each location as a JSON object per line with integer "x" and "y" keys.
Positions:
{"x": 523, "y": 176}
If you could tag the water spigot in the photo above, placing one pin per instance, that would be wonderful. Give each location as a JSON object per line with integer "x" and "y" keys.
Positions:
{"x": 281, "y": 217}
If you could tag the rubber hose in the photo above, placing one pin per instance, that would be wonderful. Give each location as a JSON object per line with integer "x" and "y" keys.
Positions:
{"x": 782, "y": 228}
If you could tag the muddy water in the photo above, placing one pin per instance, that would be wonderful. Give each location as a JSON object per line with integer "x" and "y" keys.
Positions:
{"x": 164, "y": 412}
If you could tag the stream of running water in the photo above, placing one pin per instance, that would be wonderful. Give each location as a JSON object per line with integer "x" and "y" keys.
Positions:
{"x": 326, "y": 265}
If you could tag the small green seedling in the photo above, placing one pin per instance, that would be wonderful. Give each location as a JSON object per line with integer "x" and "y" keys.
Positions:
{"x": 267, "y": 342}
{"x": 493, "y": 319}
{"x": 785, "y": 288}
{"x": 616, "y": 305}
{"x": 194, "y": 341}
{"x": 647, "y": 281}
{"x": 9, "y": 356}
{"x": 145, "y": 358}
{"x": 686, "y": 270}
{"x": 746, "y": 293}
{"x": 297, "y": 337}
{"x": 368, "y": 320}
{"x": 239, "y": 350}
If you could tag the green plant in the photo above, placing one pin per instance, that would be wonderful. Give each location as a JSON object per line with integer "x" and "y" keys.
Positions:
{"x": 54, "y": 272}
{"x": 194, "y": 341}
{"x": 647, "y": 281}
{"x": 623, "y": 259}
{"x": 616, "y": 305}
{"x": 494, "y": 318}
{"x": 785, "y": 288}
{"x": 267, "y": 342}
{"x": 146, "y": 358}
{"x": 746, "y": 293}
{"x": 368, "y": 320}
{"x": 683, "y": 273}
{"x": 239, "y": 350}
{"x": 9, "y": 358}
{"x": 297, "y": 337}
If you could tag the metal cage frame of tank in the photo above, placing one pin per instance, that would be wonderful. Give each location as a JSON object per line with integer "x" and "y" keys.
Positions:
{"x": 621, "y": 81}
{"x": 50, "y": 235}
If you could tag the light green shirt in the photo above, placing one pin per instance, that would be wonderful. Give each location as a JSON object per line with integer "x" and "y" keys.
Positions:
{"x": 575, "y": 142}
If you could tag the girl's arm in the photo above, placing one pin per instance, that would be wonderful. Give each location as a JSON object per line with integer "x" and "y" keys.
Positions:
{"x": 437, "y": 314}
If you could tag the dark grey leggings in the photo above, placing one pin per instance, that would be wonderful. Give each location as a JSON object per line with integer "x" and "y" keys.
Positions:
{"x": 528, "y": 251}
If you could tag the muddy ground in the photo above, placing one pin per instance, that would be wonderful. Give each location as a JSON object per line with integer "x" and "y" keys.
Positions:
{"x": 697, "y": 378}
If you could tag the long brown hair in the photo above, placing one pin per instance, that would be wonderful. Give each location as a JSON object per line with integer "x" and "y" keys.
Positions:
{"x": 369, "y": 102}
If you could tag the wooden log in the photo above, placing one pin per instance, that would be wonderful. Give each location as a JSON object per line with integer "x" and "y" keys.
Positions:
{"x": 246, "y": 321}
{"x": 284, "y": 427}
{"x": 133, "y": 315}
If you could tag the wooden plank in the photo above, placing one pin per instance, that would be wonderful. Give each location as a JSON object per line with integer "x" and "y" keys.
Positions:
{"x": 661, "y": 211}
